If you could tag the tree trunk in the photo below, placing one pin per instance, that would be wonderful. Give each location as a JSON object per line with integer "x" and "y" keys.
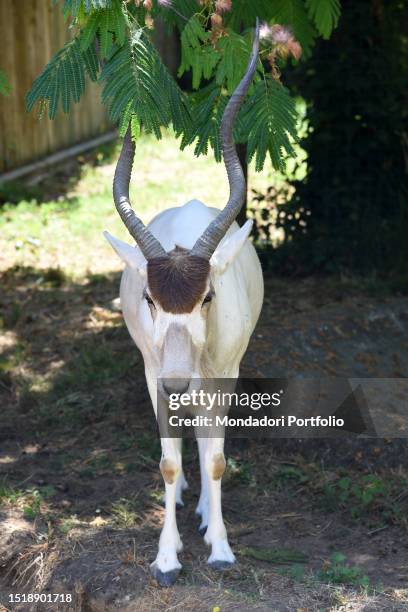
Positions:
{"x": 168, "y": 45}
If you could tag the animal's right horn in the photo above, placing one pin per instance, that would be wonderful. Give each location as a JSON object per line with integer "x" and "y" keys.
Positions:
{"x": 209, "y": 240}
{"x": 147, "y": 243}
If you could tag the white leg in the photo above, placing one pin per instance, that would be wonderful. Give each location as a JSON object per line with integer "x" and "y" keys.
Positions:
{"x": 203, "y": 503}
{"x": 221, "y": 555}
{"x": 181, "y": 484}
{"x": 166, "y": 566}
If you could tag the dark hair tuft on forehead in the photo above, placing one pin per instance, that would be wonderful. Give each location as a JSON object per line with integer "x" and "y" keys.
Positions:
{"x": 178, "y": 281}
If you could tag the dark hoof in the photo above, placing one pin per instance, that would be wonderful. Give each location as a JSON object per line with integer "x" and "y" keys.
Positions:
{"x": 165, "y": 579}
{"x": 202, "y": 530}
{"x": 221, "y": 566}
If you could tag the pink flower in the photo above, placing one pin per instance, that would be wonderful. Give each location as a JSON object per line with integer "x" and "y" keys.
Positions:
{"x": 281, "y": 35}
{"x": 222, "y": 6}
{"x": 294, "y": 48}
{"x": 282, "y": 39}
{"x": 265, "y": 31}
{"x": 216, "y": 20}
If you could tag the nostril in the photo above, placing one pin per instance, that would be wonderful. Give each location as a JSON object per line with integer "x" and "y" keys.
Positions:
{"x": 176, "y": 386}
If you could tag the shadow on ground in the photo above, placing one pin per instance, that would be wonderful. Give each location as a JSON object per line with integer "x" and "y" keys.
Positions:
{"x": 80, "y": 490}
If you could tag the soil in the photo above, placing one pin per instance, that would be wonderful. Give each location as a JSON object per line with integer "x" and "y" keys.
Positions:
{"x": 90, "y": 445}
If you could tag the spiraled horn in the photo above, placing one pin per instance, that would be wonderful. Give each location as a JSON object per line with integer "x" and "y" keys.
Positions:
{"x": 209, "y": 240}
{"x": 147, "y": 243}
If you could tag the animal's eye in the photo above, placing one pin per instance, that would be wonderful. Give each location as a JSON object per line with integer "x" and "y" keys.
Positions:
{"x": 148, "y": 299}
{"x": 208, "y": 298}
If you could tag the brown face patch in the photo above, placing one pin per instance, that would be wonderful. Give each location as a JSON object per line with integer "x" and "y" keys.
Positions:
{"x": 177, "y": 282}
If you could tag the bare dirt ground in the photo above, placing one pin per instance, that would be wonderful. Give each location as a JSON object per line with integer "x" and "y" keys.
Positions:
{"x": 80, "y": 488}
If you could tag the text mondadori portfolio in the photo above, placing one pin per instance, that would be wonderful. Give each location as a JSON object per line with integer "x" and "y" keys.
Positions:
{"x": 252, "y": 421}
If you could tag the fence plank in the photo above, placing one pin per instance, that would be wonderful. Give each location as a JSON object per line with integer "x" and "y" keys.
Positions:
{"x": 32, "y": 31}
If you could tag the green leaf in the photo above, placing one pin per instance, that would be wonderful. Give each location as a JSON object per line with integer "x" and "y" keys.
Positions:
{"x": 176, "y": 15}
{"x": 74, "y": 7}
{"x": 235, "y": 51}
{"x": 137, "y": 83}
{"x": 280, "y": 556}
{"x": 244, "y": 13}
{"x": 197, "y": 52}
{"x": 134, "y": 127}
{"x": 63, "y": 79}
{"x": 91, "y": 62}
{"x": 325, "y": 14}
{"x": 207, "y": 106}
{"x": 109, "y": 24}
{"x": 269, "y": 119}
{"x": 88, "y": 33}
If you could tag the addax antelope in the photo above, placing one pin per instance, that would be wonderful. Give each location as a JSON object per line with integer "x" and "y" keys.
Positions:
{"x": 191, "y": 294}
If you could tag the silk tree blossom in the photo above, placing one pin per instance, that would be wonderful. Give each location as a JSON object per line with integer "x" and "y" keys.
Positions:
{"x": 216, "y": 20}
{"x": 265, "y": 31}
{"x": 223, "y": 6}
{"x": 282, "y": 39}
{"x": 285, "y": 41}
{"x": 217, "y": 27}
{"x": 294, "y": 48}
{"x": 281, "y": 35}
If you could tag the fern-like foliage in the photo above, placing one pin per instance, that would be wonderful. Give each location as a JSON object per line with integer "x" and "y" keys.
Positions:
{"x": 5, "y": 87}
{"x": 269, "y": 119}
{"x": 197, "y": 53}
{"x": 245, "y": 12}
{"x": 129, "y": 117}
{"x": 235, "y": 51}
{"x": 178, "y": 13}
{"x": 63, "y": 79}
{"x": 227, "y": 61}
{"x": 137, "y": 83}
{"x": 207, "y": 106}
{"x": 139, "y": 91}
{"x": 75, "y": 7}
{"x": 109, "y": 25}
{"x": 325, "y": 14}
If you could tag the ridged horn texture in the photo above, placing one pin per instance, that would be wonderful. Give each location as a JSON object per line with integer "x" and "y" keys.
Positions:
{"x": 209, "y": 240}
{"x": 147, "y": 243}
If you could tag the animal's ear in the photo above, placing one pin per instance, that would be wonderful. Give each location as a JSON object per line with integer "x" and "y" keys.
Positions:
{"x": 226, "y": 252}
{"x": 132, "y": 256}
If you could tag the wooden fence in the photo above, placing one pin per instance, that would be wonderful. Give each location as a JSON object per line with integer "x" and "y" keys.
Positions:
{"x": 30, "y": 32}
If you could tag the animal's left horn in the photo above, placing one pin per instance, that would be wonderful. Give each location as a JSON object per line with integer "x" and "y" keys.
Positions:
{"x": 148, "y": 244}
{"x": 209, "y": 240}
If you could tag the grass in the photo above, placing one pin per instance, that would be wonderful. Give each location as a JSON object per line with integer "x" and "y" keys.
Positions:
{"x": 334, "y": 571}
{"x": 64, "y": 236}
{"x": 124, "y": 513}
{"x": 374, "y": 498}
{"x": 337, "y": 571}
{"x": 32, "y": 501}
